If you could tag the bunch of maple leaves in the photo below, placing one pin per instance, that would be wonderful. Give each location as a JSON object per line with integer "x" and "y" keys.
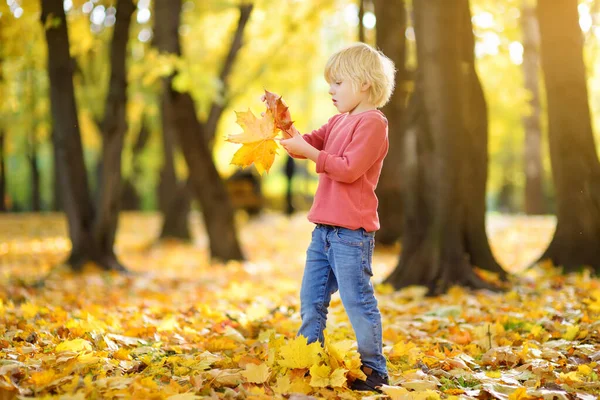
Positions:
{"x": 182, "y": 328}
{"x": 258, "y": 136}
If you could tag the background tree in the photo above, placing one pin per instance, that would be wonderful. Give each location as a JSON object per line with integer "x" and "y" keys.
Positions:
{"x": 534, "y": 170}
{"x": 575, "y": 167}
{"x": 180, "y": 113}
{"x": 391, "y": 39}
{"x": 92, "y": 235}
{"x": 441, "y": 221}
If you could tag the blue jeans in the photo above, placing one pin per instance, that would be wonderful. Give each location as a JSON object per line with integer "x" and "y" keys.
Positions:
{"x": 340, "y": 258}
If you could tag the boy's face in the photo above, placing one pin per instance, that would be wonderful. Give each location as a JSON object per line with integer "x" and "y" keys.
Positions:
{"x": 345, "y": 97}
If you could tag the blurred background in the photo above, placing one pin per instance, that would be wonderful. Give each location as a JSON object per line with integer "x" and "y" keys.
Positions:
{"x": 284, "y": 49}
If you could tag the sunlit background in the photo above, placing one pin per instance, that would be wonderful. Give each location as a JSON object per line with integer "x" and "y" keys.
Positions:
{"x": 285, "y": 48}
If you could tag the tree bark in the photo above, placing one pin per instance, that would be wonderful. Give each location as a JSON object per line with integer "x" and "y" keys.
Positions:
{"x": 391, "y": 26}
{"x": 92, "y": 238}
{"x": 114, "y": 127}
{"x": 534, "y": 194}
{"x": 67, "y": 138}
{"x": 203, "y": 176}
{"x": 575, "y": 167}
{"x": 437, "y": 247}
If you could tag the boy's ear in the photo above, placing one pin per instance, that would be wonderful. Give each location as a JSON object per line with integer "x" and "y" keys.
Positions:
{"x": 365, "y": 86}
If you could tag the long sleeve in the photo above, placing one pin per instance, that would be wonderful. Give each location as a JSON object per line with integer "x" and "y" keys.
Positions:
{"x": 365, "y": 148}
{"x": 316, "y": 139}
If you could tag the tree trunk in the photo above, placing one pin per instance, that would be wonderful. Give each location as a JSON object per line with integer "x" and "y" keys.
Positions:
{"x": 361, "y": 14}
{"x": 173, "y": 196}
{"x": 391, "y": 25}
{"x": 130, "y": 199}
{"x": 114, "y": 128}
{"x": 32, "y": 142}
{"x": 2, "y": 173}
{"x": 204, "y": 177}
{"x": 91, "y": 238}
{"x": 534, "y": 194}
{"x": 67, "y": 138}
{"x": 35, "y": 179}
{"x": 56, "y": 198}
{"x": 436, "y": 247}
{"x": 575, "y": 167}
{"x": 176, "y": 213}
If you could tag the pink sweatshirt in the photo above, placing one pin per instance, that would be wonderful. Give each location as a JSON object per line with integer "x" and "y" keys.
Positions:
{"x": 352, "y": 149}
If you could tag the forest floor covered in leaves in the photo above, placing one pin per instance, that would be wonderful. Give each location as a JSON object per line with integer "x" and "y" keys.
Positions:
{"x": 181, "y": 328}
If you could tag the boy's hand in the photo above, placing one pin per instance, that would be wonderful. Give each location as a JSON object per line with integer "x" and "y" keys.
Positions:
{"x": 296, "y": 145}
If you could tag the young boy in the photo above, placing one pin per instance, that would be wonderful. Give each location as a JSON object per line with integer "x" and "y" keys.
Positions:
{"x": 348, "y": 151}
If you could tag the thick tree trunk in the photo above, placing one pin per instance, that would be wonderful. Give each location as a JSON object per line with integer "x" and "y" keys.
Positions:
{"x": 391, "y": 27}
{"x": 534, "y": 194}
{"x": 436, "y": 246}
{"x": 91, "y": 237}
{"x": 114, "y": 128}
{"x": 2, "y": 173}
{"x": 176, "y": 213}
{"x": 204, "y": 177}
{"x": 67, "y": 139}
{"x": 575, "y": 167}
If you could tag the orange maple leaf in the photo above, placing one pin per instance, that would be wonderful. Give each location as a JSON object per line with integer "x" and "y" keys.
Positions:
{"x": 257, "y": 139}
{"x": 280, "y": 111}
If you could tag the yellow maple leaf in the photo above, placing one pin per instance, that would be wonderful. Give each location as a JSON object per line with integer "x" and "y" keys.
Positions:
{"x": 338, "y": 377}
{"x": 297, "y": 353}
{"x": 256, "y": 373}
{"x": 257, "y": 139}
{"x": 283, "y": 385}
{"x": 319, "y": 375}
{"x": 75, "y": 345}
{"x": 344, "y": 355}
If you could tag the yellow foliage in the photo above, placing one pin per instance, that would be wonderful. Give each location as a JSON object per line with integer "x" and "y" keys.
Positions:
{"x": 75, "y": 345}
{"x": 189, "y": 329}
{"x": 298, "y": 354}
{"x": 257, "y": 373}
{"x": 319, "y": 375}
{"x": 257, "y": 139}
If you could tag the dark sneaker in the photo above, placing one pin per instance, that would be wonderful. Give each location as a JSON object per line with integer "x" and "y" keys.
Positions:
{"x": 372, "y": 384}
